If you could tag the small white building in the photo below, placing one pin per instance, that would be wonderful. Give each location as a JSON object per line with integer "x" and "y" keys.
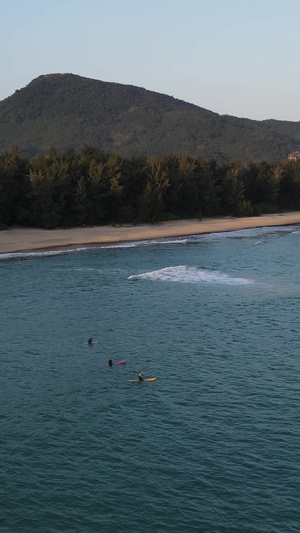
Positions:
{"x": 294, "y": 156}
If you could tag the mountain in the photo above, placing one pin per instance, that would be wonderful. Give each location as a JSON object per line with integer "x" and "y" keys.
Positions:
{"x": 66, "y": 111}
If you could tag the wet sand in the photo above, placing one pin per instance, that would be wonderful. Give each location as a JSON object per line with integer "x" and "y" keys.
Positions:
{"x": 29, "y": 239}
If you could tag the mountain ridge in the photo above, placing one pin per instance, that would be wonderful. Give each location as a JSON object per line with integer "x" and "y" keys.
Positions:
{"x": 66, "y": 111}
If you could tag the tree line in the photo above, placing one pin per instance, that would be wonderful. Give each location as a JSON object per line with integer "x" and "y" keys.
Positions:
{"x": 91, "y": 187}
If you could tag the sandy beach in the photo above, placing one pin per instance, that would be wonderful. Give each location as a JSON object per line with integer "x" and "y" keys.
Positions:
{"x": 29, "y": 239}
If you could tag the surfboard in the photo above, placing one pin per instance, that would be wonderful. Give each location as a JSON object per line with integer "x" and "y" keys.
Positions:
{"x": 120, "y": 362}
{"x": 145, "y": 379}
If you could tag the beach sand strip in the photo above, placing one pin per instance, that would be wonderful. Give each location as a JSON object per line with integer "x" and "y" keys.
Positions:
{"x": 32, "y": 239}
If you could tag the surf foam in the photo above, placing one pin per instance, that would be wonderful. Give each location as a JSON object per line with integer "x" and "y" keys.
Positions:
{"x": 190, "y": 274}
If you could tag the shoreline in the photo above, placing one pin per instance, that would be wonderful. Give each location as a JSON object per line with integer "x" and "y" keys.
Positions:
{"x": 31, "y": 239}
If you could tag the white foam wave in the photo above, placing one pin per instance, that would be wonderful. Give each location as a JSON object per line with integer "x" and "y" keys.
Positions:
{"x": 122, "y": 245}
{"x": 176, "y": 240}
{"x": 133, "y": 244}
{"x": 196, "y": 238}
{"x": 249, "y": 233}
{"x": 186, "y": 274}
{"x": 29, "y": 255}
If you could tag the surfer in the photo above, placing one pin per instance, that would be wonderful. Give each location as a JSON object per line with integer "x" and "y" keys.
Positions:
{"x": 91, "y": 340}
{"x": 140, "y": 376}
{"x": 110, "y": 361}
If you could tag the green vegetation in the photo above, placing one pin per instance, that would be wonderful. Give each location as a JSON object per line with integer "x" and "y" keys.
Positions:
{"x": 65, "y": 111}
{"x": 92, "y": 187}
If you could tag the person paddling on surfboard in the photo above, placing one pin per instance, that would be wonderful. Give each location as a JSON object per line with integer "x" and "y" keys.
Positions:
{"x": 91, "y": 340}
{"x": 110, "y": 361}
{"x": 140, "y": 376}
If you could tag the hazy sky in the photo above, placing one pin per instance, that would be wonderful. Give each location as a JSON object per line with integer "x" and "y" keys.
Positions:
{"x": 235, "y": 57}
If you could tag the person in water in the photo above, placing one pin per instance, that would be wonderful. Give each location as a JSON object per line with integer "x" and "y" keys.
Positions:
{"x": 140, "y": 376}
{"x": 91, "y": 340}
{"x": 110, "y": 361}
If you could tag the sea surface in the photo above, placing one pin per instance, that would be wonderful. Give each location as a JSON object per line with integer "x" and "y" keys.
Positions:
{"x": 213, "y": 445}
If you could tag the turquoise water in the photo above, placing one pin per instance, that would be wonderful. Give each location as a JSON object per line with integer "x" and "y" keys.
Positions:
{"x": 212, "y": 445}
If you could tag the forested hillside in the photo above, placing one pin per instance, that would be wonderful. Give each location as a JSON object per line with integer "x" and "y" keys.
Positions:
{"x": 64, "y": 111}
{"x": 92, "y": 187}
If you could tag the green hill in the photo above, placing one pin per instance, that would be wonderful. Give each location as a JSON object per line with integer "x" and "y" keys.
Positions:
{"x": 67, "y": 111}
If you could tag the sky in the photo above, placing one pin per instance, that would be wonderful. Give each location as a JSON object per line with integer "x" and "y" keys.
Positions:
{"x": 233, "y": 57}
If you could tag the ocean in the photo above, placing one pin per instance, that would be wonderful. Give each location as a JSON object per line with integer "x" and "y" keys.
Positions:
{"x": 213, "y": 445}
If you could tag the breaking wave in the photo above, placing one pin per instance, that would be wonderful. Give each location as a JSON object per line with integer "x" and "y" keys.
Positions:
{"x": 189, "y": 274}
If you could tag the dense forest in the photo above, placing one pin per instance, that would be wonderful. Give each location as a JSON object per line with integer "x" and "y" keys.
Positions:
{"x": 90, "y": 187}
